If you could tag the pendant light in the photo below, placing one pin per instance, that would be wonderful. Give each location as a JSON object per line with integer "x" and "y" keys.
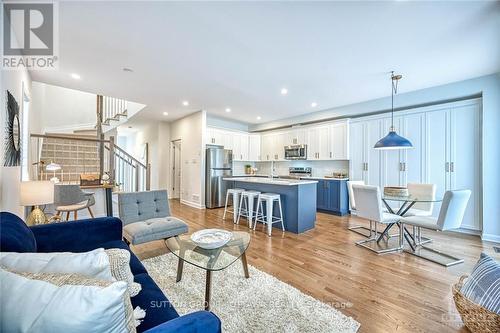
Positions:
{"x": 393, "y": 140}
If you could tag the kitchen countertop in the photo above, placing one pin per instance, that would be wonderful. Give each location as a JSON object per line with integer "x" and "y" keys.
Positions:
{"x": 271, "y": 181}
{"x": 325, "y": 178}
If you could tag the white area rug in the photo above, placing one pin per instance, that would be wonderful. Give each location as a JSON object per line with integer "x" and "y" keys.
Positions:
{"x": 261, "y": 303}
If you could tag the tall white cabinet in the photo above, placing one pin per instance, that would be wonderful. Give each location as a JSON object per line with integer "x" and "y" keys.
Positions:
{"x": 446, "y": 152}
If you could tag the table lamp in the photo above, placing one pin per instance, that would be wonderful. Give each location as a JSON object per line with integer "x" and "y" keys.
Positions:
{"x": 36, "y": 193}
{"x": 53, "y": 167}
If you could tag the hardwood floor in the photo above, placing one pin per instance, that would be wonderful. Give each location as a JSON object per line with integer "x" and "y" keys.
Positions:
{"x": 386, "y": 293}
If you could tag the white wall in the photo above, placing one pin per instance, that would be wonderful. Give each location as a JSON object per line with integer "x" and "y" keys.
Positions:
{"x": 191, "y": 130}
{"x": 213, "y": 121}
{"x": 63, "y": 110}
{"x": 164, "y": 167}
{"x": 10, "y": 177}
{"x": 132, "y": 141}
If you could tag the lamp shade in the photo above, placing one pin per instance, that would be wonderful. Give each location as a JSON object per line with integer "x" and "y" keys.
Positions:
{"x": 393, "y": 141}
{"x": 53, "y": 167}
{"x": 34, "y": 193}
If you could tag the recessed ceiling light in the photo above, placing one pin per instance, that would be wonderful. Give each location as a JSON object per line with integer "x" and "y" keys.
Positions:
{"x": 314, "y": 104}
{"x": 126, "y": 69}
{"x": 259, "y": 117}
{"x": 185, "y": 103}
{"x": 284, "y": 91}
{"x": 165, "y": 113}
{"x": 228, "y": 110}
{"x": 75, "y": 76}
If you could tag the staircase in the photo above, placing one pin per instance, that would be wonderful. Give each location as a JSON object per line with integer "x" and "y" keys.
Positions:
{"x": 86, "y": 154}
{"x": 112, "y": 112}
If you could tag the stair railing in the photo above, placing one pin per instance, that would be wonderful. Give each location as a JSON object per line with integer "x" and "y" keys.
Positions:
{"x": 80, "y": 155}
{"x": 113, "y": 109}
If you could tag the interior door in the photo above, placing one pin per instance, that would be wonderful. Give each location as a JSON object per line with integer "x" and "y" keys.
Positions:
{"x": 176, "y": 169}
{"x": 464, "y": 156}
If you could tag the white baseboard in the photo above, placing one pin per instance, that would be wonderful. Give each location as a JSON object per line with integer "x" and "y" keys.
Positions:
{"x": 192, "y": 204}
{"x": 468, "y": 231}
{"x": 491, "y": 238}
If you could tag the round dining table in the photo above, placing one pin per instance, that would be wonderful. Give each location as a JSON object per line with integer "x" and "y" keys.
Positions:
{"x": 406, "y": 202}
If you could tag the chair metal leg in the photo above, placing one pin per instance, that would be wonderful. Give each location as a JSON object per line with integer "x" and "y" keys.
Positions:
{"x": 75, "y": 214}
{"x": 269, "y": 217}
{"x": 430, "y": 254}
{"x": 239, "y": 210}
{"x": 67, "y": 216}
{"x": 372, "y": 243}
{"x": 225, "y": 206}
{"x": 90, "y": 211}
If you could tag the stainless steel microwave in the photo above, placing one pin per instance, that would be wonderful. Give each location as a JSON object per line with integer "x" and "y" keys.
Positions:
{"x": 296, "y": 152}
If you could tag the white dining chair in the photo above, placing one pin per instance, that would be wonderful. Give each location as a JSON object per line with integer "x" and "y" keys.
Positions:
{"x": 421, "y": 191}
{"x": 359, "y": 229}
{"x": 369, "y": 207}
{"x": 450, "y": 217}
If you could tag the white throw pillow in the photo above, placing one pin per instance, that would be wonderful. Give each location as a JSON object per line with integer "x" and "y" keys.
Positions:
{"x": 93, "y": 264}
{"x": 29, "y": 305}
{"x": 119, "y": 262}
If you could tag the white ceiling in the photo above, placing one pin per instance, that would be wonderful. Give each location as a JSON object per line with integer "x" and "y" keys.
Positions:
{"x": 240, "y": 55}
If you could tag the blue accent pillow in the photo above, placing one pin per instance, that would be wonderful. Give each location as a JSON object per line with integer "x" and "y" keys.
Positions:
{"x": 483, "y": 285}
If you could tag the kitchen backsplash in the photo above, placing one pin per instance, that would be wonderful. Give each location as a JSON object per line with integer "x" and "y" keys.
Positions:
{"x": 319, "y": 168}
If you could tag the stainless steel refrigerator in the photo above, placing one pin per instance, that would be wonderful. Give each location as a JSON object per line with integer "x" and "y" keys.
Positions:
{"x": 219, "y": 165}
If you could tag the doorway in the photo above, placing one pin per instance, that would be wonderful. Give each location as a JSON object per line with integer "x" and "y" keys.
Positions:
{"x": 176, "y": 169}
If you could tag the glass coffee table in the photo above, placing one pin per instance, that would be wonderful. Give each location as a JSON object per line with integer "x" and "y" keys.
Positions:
{"x": 209, "y": 260}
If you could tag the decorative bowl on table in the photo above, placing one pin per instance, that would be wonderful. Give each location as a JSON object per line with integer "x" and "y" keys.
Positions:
{"x": 211, "y": 238}
{"x": 396, "y": 191}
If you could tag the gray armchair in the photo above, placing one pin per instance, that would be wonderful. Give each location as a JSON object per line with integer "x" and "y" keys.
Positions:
{"x": 146, "y": 217}
{"x": 71, "y": 198}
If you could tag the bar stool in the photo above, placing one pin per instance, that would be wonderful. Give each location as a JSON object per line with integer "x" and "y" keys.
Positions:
{"x": 269, "y": 199}
{"x": 247, "y": 212}
{"x": 235, "y": 193}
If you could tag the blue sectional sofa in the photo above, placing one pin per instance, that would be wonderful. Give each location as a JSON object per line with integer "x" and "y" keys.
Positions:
{"x": 106, "y": 232}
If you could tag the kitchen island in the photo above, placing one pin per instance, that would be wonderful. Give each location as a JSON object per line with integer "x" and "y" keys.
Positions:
{"x": 298, "y": 199}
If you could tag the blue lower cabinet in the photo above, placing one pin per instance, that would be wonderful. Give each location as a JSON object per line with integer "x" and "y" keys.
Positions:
{"x": 332, "y": 196}
{"x": 322, "y": 195}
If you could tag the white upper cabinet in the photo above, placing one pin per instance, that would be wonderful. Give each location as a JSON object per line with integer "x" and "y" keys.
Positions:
{"x": 296, "y": 136}
{"x": 238, "y": 142}
{"x": 365, "y": 163}
{"x": 279, "y": 146}
{"x": 254, "y": 153}
{"x": 357, "y": 164}
{"x": 266, "y": 151}
{"x": 318, "y": 143}
{"x": 339, "y": 141}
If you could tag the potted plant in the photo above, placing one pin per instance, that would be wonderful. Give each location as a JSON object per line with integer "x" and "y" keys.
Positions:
{"x": 248, "y": 169}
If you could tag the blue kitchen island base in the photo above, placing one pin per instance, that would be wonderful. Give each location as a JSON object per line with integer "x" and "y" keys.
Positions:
{"x": 298, "y": 203}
